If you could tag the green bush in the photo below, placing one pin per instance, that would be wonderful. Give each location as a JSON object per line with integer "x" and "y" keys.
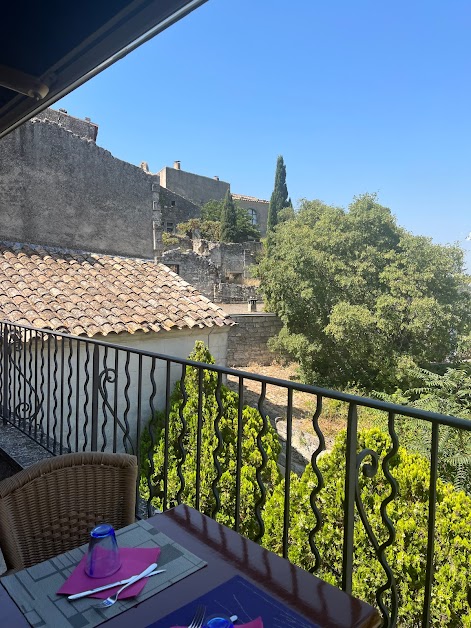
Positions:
{"x": 226, "y": 456}
{"x": 408, "y": 512}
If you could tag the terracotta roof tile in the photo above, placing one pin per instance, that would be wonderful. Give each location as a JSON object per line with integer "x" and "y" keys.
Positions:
{"x": 87, "y": 293}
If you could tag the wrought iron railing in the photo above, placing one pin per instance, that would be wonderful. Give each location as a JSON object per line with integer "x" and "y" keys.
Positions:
{"x": 75, "y": 394}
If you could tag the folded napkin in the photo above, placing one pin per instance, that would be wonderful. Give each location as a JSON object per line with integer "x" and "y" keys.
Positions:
{"x": 133, "y": 561}
{"x": 255, "y": 623}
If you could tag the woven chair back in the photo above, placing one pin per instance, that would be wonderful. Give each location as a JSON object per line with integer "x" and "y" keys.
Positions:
{"x": 50, "y": 507}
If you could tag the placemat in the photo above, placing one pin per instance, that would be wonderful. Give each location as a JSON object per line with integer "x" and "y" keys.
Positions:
{"x": 238, "y": 597}
{"x": 34, "y": 589}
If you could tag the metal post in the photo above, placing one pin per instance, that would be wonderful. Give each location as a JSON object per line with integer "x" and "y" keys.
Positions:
{"x": 95, "y": 381}
{"x": 5, "y": 408}
{"x": 349, "y": 508}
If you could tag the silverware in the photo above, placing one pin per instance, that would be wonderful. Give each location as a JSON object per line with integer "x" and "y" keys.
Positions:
{"x": 113, "y": 599}
{"x": 198, "y": 619}
{"x": 76, "y": 596}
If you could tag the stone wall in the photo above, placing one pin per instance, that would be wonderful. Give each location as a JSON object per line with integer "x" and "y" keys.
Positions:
{"x": 176, "y": 209}
{"x": 258, "y": 205}
{"x": 234, "y": 293}
{"x": 232, "y": 259}
{"x": 82, "y": 128}
{"x": 197, "y": 270}
{"x": 194, "y": 187}
{"x": 248, "y": 339}
{"x": 59, "y": 189}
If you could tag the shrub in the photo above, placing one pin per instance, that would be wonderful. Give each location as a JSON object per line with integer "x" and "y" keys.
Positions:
{"x": 226, "y": 456}
{"x": 409, "y": 514}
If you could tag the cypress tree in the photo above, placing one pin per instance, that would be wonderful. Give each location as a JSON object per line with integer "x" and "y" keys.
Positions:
{"x": 279, "y": 197}
{"x": 228, "y": 219}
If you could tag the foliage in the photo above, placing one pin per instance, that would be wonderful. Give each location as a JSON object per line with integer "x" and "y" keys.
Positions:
{"x": 449, "y": 393}
{"x": 209, "y": 226}
{"x": 228, "y": 219}
{"x": 409, "y": 514}
{"x": 279, "y": 197}
{"x": 226, "y": 456}
{"x": 169, "y": 239}
{"x": 359, "y": 296}
{"x": 196, "y": 228}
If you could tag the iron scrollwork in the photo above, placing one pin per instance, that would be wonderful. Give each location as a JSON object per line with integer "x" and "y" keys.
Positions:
{"x": 108, "y": 376}
{"x": 11, "y": 345}
{"x": 369, "y": 470}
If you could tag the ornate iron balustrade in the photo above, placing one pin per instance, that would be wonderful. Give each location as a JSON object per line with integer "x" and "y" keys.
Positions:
{"x": 75, "y": 394}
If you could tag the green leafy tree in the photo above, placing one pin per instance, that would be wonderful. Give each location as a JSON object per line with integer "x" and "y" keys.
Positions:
{"x": 446, "y": 393}
{"x": 183, "y": 429}
{"x": 228, "y": 220}
{"x": 409, "y": 515}
{"x": 359, "y": 296}
{"x": 210, "y": 225}
{"x": 279, "y": 198}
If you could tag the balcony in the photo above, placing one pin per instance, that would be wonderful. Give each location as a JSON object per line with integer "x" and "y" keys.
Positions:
{"x": 347, "y": 518}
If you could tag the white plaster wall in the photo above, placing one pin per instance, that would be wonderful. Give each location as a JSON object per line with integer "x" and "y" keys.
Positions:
{"x": 64, "y": 388}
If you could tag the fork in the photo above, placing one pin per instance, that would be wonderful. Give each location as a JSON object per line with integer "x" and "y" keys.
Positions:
{"x": 114, "y": 598}
{"x": 198, "y": 619}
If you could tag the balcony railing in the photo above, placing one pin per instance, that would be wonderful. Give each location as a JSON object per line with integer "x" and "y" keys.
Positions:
{"x": 74, "y": 394}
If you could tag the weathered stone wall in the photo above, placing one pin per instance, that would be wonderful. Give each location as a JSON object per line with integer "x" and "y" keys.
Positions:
{"x": 181, "y": 210}
{"x": 234, "y": 293}
{"x": 248, "y": 339}
{"x": 197, "y": 270}
{"x": 60, "y": 189}
{"x": 194, "y": 187}
{"x": 231, "y": 258}
{"x": 82, "y": 128}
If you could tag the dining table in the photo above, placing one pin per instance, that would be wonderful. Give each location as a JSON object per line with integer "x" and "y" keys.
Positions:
{"x": 228, "y": 554}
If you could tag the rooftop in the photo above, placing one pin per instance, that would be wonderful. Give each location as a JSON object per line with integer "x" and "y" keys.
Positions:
{"x": 253, "y": 199}
{"x": 85, "y": 293}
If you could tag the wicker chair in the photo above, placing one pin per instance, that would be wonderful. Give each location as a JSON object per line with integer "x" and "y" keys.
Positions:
{"x": 50, "y": 507}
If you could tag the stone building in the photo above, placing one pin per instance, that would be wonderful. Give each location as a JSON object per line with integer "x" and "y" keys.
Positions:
{"x": 194, "y": 187}
{"x": 57, "y": 187}
{"x": 257, "y": 209}
{"x": 184, "y": 193}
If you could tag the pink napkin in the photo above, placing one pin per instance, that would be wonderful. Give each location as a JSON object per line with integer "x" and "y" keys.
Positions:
{"x": 256, "y": 623}
{"x": 133, "y": 561}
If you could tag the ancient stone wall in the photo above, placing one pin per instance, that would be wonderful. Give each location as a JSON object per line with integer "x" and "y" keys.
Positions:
{"x": 194, "y": 187}
{"x": 82, "y": 128}
{"x": 248, "y": 339}
{"x": 60, "y": 189}
{"x": 232, "y": 259}
{"x": 176, "y": 209}
{"x": 234, "y": 293}
{"x": 197, "y": 270}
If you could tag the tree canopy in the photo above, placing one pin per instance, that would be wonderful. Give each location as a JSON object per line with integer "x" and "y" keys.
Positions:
{"x": 279, "y": 198}
{"x": 228, "y": 219}
{"x": 360, "y": 297}
{"x": 210, "y": 224}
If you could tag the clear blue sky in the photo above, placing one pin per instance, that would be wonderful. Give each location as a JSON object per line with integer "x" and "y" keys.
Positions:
{"x": 357, "y": 96}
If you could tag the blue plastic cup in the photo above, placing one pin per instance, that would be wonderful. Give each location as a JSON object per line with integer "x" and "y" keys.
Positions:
{"x": 218, "y": 621}
{"x": 103, "y": 557}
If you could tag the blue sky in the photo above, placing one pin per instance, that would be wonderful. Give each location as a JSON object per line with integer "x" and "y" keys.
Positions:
{"x": 356, "y": 96}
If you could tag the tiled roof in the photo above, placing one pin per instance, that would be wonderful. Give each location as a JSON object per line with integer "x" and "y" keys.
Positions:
{"x": 87, "y": 293}
{"x": 253, "y": 199}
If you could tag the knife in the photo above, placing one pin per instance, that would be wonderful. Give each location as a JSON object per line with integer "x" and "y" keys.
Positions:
{"x": 76, "y": 596}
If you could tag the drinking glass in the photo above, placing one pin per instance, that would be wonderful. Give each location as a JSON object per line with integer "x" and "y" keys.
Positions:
{"x": 103, "y": 557}
{"x": 218, "y": 621}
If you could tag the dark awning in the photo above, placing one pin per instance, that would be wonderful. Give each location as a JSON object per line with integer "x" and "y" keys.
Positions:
{"x": 49, "y": 47}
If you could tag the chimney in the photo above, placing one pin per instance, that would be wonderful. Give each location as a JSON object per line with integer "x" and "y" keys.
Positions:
{"x": 216, "y": 178}
{"x": 176, "y": 165}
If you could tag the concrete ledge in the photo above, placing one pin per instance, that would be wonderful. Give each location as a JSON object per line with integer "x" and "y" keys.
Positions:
{"x": 19, "y": 449}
